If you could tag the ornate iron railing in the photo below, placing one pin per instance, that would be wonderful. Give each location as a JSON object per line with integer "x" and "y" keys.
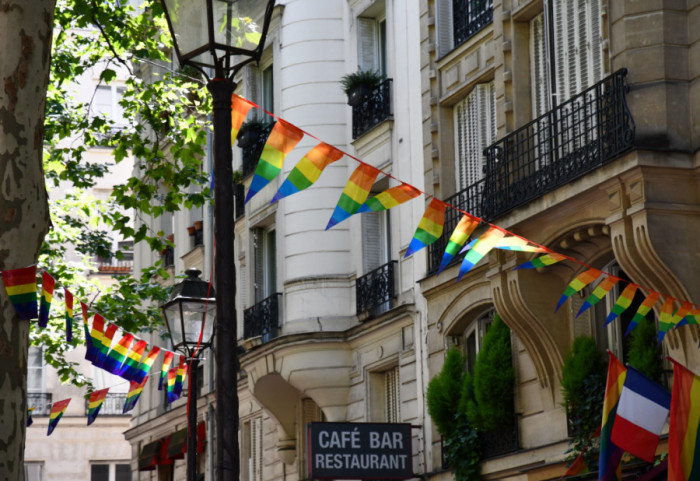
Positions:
{"x": 470, "y": 16}
{"x": 41, "y": 402}
{"x": 567, "y": 142}
{"x": 375, "y": 290}
{"x": 373, "y": 110}
{"x": 113, "y": 405}
{"x": 495, "y": 443}
{"x": 262, "y": 319}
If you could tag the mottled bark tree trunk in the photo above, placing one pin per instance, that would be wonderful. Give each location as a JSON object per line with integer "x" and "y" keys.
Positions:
{"x": 25, "y": 51}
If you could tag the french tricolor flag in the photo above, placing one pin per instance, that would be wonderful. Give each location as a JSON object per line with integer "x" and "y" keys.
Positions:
{"x": 641, "y": 414}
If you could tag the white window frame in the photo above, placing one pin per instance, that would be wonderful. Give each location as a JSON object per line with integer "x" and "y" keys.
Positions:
{"x": 39, "y": 370}
{"x": 371, "y": 44}
{"x": 252, "y": 449}
{"x": 112, "y": 110}
{"x": 264, "y": 262}
{"x": 33, "y": 471}
{"x": 112, "y": 468}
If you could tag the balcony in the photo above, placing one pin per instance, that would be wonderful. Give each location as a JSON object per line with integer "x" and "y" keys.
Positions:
{"x": 114, "y": 267}
{"x": 375, "y": 290}
{"x": 113, "y": 405}
{"x": 262, "y": 320}
{"x": 470, "y": 16}
{"x": 580, "y": 135}
{"x": 40, "y": 401}
{"x": 373, "y": 110}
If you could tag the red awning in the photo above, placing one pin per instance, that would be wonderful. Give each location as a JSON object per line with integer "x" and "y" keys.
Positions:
{"x": 148, "y": 458}
{"x": 163, "y": 452}
{"x": 178, "y": 442}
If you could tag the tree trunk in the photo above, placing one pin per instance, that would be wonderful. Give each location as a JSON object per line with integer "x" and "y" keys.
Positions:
{"x": 26, "y": 28}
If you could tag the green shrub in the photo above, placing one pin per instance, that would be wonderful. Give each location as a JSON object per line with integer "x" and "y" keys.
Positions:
{"x": 583, "y": 360}
{"x": 443, "y": 393}
{"x": 644, "y": 351}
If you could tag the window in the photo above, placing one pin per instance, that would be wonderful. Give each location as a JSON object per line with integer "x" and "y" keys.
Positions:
{"x": 33, "y": 472}
{"x": 110, "y": 472}
{"x": 375, "y": 240}
{"x": 371, "y": 44}
{"x": 384, "y": 395}
{"x": 105, "y": 103}
{"x": 458, "y": 20}
{"x": 252, "y": 450}
{"x": 261, "y": 89}
{"x": 264, "y": 247}
{"x": 35, "y": 370}
{"x": 473, "y": 336}
{"x": 127, "y": 250}
{"x": 310, "y": 413}
{"x": 475, "y": 129}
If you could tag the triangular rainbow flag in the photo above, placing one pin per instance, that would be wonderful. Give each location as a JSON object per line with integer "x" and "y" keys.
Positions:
{"x": 68, "y": 298}
{"x": 167, "y": 360}
{"x": 30, "y": 420}
{"x": 283, "y": 138}
{"x": 480, "y": 248}
{"x": 354, "y": 194}
{"x": 172, "y": 375}
{"x": 598, "y": 293}
{"x": 146, "y": 364}
{"x": 106, "y": 343}
{"x": 622, "y": 303}
{"x": 308, "y": 170}
{"x": 180, "y": 378}
{"x": 115, "y": 358}
{"x": 20, "y": 285}
{"x": 390, "y": 198}
{"x": 94, "y": 339}
{"x": 684, "y": 426}
{"x": 459, "y": 236}
{"x": 579, "y": 282}
{"x": 135, "y": 390}
{"x": 542, "y": 261}
{"x": 239, "y": 110}
{"x": 57, "y": 410}
{"x": 515, "y": 243}
{"x": 130, "y": 368}
{"x": 643, "y": 310}
{"x": 429, "y": 228}
{"x": 47, "y": 286}
{"x": 610, "y": 455}
{"x": 95, "y": 403}
{"x": 684, "y": 315}
{"x": 670, "y": 319}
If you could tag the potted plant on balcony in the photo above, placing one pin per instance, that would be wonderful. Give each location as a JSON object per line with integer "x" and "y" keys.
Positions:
{"x": 358, "y": 86}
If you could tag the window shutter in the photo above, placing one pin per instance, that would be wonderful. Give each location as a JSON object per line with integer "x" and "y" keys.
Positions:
{"x": 539, "y": 81}
{"x": 367, "y": 44}
{"x": 595, "y": 45}
{"x": 445, "y": 35}
{"x": 310, "y": 412}
{"x": 256, "y": 448}
{"x": 392, "y": 395}
{"x": 374, "y": 241}
{"x": 475, "y": 126}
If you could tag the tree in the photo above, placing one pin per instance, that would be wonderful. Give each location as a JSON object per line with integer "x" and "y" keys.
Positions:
{"x": 166, "y": 132}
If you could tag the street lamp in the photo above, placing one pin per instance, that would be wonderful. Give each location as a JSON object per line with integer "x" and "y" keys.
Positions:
{"x": 222, "y": 36}
{"x": 190, "y": 314}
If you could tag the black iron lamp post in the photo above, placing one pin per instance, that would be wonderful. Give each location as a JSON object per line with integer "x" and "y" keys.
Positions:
{"x": 219, "y": 37}
{"x": 190, "y": 314}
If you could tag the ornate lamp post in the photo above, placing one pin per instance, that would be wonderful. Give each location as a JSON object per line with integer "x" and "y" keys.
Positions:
{"x": 190, "y": 313}
{"x": 220, "y": 37}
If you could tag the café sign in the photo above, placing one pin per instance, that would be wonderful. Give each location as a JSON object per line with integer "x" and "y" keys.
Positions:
{"x": 360, "y": 450}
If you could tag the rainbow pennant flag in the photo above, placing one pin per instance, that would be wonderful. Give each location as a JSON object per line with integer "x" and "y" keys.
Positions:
{"x": 57, "y": 410}
{"x": 354, "y": 194}
{"x": 515, "y": 243}
{"x": 180, "y": 378}
{"x": 93, "y": 339}
{"x": 459, "y": 236}
{"x": 239, "y": 110}
{"x": 308, "y": 170}
{"x": 622, "y": 303}
{"x": 172, "y": 375}
{"x": 167, "y": 360}
{"x": 429, "y": 228}
{"x": 105, "y": 343}
{"x": 390, "y": 198}
{"x": 135, "y": 390}
{"x": 30, "y": 421}
{"x": 95, "y": 403}
{"x": 130, "y": 367}
{"x": 669, "y": 319}
{"x": 146, "y": 364}
{"x": 684, "y": 315}
{"x": 68, "y": 297}
{"x": 609, "y": 468}
{"x": 643, "y": 310}
{"x": 579, "y": 282}
{"x": 598, "y": 293}
{"x": 115, "y": 358}
{"x": 20, "y": 285}
{"x": 684, "y": 426}
{"x": 480, "y": 248}
{"x": 542, "y": 261}
{"x": 47, "y": 286}
{"x": 283, "y": 138}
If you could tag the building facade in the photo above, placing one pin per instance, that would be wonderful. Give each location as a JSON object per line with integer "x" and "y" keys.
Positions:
{"x": 570, "y": 123}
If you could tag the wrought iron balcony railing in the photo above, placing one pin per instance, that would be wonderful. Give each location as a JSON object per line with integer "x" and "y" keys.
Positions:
{"x": 113, "y": 404}
{"x": 470, "y": 16}
{"x": 495, "y": 443}
{"x": 262, "y": 319}
{"x": 41, "y": 402}
{"x": 373, "y": 110}
{"x": 375, "y": 290}
{"x": 583, "y": 133}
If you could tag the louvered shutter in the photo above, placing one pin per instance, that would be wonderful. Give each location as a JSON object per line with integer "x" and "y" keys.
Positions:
{"x": 256, "y": 448}
{"x": 310, "y": 413}
{"x": 539, "y": 80}
{"x": 392, "y": 395}
{"x": 475, "y": 129}
{"x": 374, "y": 240}
{"x": 445, "y": 34}
{"x": 367, "y": 44}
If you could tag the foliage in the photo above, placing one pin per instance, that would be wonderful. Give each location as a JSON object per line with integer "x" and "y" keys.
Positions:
{"x": 644, "y": 350}
{"x": 583, "y": 385}
{"x": 367, "y": 78}
{"x": 492, "y": 408}
{"x": 447, "y": 396}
